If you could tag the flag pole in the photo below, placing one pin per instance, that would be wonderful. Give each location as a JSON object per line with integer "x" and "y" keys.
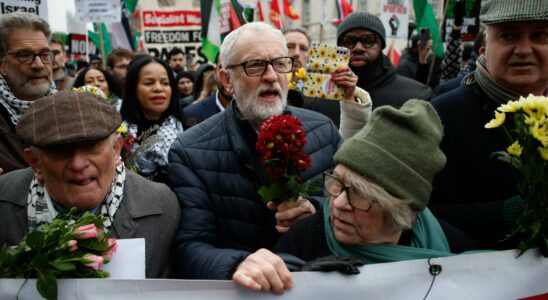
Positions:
{"x": 102, "y": 46}
{"x": 436, "y": 44}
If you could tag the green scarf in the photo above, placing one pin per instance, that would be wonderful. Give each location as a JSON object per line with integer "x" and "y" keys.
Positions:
{"x": 428, "y": 241}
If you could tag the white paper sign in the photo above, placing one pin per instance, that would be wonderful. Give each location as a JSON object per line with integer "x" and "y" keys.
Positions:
{"x": 395, "y": 18}
{"x": 129, "y": 260}
{"x": 37, "y": 7}
{"x": 98, "y": 10}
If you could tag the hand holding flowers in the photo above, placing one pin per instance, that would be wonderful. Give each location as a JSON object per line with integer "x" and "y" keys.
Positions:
{"x": 528, "y": 154}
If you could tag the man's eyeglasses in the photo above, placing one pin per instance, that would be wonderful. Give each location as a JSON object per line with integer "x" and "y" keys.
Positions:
{"x": 28, "y": 57}
{"x": 335, "y": 187}
{"x": 257, "y": 67}
{"x": 367, "y": 40}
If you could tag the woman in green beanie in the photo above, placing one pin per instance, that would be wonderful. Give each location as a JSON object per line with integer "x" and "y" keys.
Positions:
{"x": 378, "y": 194}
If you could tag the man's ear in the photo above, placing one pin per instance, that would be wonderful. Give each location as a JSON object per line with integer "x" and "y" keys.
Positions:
{"x": 226, "y": 80}
{"x": 482, "y": 49}
{"x": 117, "y": 148}
{"x": 34, "y": 162}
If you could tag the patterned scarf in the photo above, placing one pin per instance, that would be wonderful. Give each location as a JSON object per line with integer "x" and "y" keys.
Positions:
{"x": 151, "y": 153}
{"x": 40, "y": 207}
{"x": 14, "y": 106}
{"x": 482, "y": 76}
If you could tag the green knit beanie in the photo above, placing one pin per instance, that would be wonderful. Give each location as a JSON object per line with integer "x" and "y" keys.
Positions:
{"x": 399, "y": 150}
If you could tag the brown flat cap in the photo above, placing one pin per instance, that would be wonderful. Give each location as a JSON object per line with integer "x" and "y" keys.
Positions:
{"x": 67, "y": 117}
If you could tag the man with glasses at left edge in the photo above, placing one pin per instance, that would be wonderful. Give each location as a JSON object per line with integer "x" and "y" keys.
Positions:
{"x": 216, "y": 172}
{"x": 25, "y": 75}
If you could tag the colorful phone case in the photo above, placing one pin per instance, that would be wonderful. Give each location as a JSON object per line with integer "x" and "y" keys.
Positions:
{"x": 322, "y": 62}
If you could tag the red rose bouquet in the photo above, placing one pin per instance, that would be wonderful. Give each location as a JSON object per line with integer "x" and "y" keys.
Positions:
{"x": 280, "y": 144}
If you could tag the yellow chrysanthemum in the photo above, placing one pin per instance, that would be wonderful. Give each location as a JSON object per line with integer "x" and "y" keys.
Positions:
{"x": 534, "y": 106}
{"x": 540, "y": 133}
{"x": 337, "y": 96}
{"x": 327, "y": 69}
{"x": 515, "y": 149}
{"x": 321, "y": 95}
{"x": 270, "y": 145}
{"x": 543, "y": 151}
{"x": 510, "y": 107}
{"x": 292, "y": 86}
{"x": 301, "y": 73}
{"x": 312, "y": 92}
{"x": 497, "y": 121}
{"x": 122, "y": 129}
{"x": 306, "y": 80}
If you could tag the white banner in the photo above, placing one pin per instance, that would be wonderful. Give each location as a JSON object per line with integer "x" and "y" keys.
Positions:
{"x": 98, "y": 10}
{"x": 37, "y": 7}
{"x": 492, "y": 275}
{"x": 395, "y": 18}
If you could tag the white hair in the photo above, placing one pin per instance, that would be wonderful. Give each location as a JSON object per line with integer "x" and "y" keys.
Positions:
{"x": 398, "y": 211}
{"x": 227, "y": 47}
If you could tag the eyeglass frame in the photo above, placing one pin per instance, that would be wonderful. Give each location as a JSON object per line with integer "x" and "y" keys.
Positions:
{"x": 35, "y": 54}
{"x": 346, "y": 189}
{"x": 361, "y": 40}
{"x": 268, "y": 62}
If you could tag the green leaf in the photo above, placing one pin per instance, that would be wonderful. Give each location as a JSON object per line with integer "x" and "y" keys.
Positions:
{"x": 274, "y": 192}
{"x": 35, "y": 239}
{"x": 63, "y": 266}
{"x": 47, "y": 285}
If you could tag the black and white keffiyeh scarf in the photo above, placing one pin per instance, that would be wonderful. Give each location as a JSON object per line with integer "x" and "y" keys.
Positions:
{"x": 40, "y": 207}
{"x": 151, "y": 152}
{"x": 16, "y": 107}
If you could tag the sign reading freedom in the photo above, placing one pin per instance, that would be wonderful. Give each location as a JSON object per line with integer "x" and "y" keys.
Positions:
{"x": 488, "y": 275}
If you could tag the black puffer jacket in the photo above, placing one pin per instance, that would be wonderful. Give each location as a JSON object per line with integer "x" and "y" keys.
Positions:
{"x": 215, "y": 172}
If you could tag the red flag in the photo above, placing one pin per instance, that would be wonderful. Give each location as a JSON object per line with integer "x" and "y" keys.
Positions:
{"x": 290, "y": 11}
{"x": 260, "y": 16}
{"x": 343, "y": 9}
{"x": 275, "y": 15}
{"x": 234, "y": 20}
{"x": 393, "y": 54}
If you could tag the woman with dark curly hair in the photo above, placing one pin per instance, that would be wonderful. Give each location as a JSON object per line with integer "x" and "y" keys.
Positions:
{"x": 104, "y": 81}
{"x": 151, "y": 112}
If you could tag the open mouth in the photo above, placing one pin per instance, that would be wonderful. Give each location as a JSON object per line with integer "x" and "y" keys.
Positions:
{"x": 269, "y": 93}
{"x": 82, "y": 182}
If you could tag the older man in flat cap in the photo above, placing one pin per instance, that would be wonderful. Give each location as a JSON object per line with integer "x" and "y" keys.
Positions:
{"x": 74, "y": 156}
{"x": 475, "y": 192}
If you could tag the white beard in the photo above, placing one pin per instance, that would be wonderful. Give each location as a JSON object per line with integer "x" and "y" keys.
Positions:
{"x": 253, "y": 110}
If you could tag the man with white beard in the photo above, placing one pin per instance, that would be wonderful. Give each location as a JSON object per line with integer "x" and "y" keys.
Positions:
{"x": 25, "y": 75}
{"x": 216, "y": 172}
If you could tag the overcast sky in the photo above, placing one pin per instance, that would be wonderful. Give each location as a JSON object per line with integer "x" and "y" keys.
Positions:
{"x": 57, "y": 12}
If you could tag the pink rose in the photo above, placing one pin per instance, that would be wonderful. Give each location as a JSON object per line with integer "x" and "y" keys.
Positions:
{"x": 111, "y": 250}
{"x": 87, "y": 232}
{"x": 93, "y": 261}
{"x": 73, "y": 245}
